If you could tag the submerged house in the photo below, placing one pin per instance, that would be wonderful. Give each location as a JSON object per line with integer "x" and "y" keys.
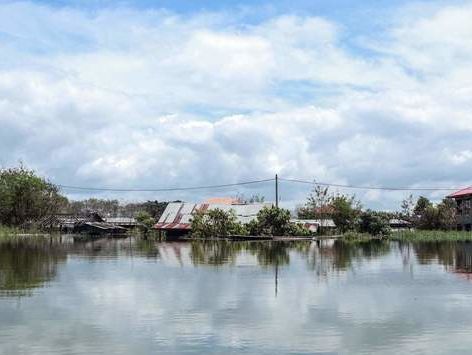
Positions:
{"x": 464, "y": 208}
{"x": 326, "y": 225}
{"x": 397, "y": 224}
{"x": 88, "y": 223}
{"x": 177, "y": 217}
{"x": 125, "y": 222}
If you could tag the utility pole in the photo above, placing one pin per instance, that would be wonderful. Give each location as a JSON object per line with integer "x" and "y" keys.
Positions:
{"x": 276, "y": 191}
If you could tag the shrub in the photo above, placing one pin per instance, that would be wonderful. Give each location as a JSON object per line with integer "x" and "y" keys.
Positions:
{"x": 374, "y": 223}
{"x": 216, "y": 223}
{"x": 273, "y": 221}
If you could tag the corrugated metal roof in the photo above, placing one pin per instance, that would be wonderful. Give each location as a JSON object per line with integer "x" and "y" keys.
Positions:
{"x": 178, "y": 215}
{"x": 462, "y": 193}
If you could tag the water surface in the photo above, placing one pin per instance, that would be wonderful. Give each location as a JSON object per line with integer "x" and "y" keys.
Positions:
{"x": 60, "y": 296}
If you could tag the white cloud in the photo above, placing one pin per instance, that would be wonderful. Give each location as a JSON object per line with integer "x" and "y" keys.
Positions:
{"x": 149, "y": 98}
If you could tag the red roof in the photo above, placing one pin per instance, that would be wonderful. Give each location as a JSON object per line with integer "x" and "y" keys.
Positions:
{"x": 461, "y": 193}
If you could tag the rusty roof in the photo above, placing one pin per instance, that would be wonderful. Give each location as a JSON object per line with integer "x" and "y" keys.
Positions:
{"x": 223, "y": 201}
{"x": 178, "y": 215}
{"x": 462, "y": 193}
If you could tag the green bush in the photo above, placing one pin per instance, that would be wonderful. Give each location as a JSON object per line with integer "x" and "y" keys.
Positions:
{"x": 146, "y": 220}
{"x": 298, "y": 230}
{"x": 374, "y": 223}
{"x": 216, "y": 223}
{"x": 273, "y": 221}
{"x": 25, "y": 197}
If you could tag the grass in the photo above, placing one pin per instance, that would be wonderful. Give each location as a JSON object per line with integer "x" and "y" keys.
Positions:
{"x": 431, "y": 236}
{"x": 9, "y": 234}
{"x": 8, "y": 231}
{"x": 413, "y": 236}
{"x": 356, "y": 236}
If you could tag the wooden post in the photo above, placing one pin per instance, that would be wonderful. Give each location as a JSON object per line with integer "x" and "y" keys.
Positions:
{"x": 276, "y": 191}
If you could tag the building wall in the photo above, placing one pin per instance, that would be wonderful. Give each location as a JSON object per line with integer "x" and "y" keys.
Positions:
{"x": 464, "y": 213}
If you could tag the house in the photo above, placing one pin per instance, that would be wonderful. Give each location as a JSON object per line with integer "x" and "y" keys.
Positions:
{"x": 464, "y": 208}
{"x": 125, "y": 222}
{"x": 399, "y": 224}
{"x": 316, "y": 225}
{"x": 177, "y": 217}
{"x": 87, "y": 223}
{"x": 99, "y": 228}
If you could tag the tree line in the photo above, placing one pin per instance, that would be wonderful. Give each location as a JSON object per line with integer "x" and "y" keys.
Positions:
{"x": 26, "y": 198}
{"x": 349, "y": 216}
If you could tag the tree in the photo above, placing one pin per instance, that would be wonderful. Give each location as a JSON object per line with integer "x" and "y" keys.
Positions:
{"x": 26, "y": 197}
{"x": 407, "y": 208}
{"x": 447, "y": 214}
{"x": 216, "y": 223}
{"x": 145, "y": 219}
{"x": 273, "y": 221}
{"x": 346, "y": 211}
{"x": 421, "y": 205}
{"x": 318, "y": 204}
{"x": 374, "y": 223}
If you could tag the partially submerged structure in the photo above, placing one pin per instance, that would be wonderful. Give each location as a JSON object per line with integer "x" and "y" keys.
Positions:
{"x": 317, "y": 225}
{"x": 88, "y": 223}
{"x": 397, "y": 224}
{"x": 177, "y": 217}
{"x": 125, "y": 222}
{"x": 464, "y": 208}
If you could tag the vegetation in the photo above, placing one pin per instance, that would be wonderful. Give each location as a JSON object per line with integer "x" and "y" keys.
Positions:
{"x": 318, "y": 204}
{"x": 431, "y": 236}
{"x": 346, "y": 212}
{"x": 107, "y": 207}
{"x": 374, "y": 223}
{"x": 216, "y": 223}
{"x": 26, "y": 197}
{"x": 145, "y": 219}
{"x": 271, "y": 221}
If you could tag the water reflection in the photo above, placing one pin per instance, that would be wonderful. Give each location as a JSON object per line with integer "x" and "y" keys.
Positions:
{"x": 225, "y": 252}
{"x": 28, "y": 264}
{"x": 456, "y": 257}
{"x": 129, "y": 296}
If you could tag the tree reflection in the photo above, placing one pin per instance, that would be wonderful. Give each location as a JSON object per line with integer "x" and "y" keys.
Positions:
{"x": 226, "y": 252}
{"x": 454, "y": 256}
{"x": 335, "y": 255}
{"x": 28, "y": 264}
{"x": 323, "y": 256}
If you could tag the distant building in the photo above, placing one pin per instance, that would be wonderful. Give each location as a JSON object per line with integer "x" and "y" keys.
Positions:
{"x": 125, "y": 222}
{"x": 176, "y": 219}
{"x": 315, "y": 225}
{"x": 399, "y": 224}
{"x": 88, "y": 223}
{"x": 464, "y": 208}
{"x": 223, "y": 201}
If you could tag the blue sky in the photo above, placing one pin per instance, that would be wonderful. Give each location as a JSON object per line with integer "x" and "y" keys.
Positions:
{"x": 179, "y": 93}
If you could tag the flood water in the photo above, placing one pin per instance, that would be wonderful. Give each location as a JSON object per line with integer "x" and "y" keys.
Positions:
{"x": 60, "y": 296}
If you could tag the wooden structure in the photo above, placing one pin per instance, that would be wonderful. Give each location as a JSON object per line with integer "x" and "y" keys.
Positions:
{"x": 89, "y": 223}
{"x": 464, "y": 208}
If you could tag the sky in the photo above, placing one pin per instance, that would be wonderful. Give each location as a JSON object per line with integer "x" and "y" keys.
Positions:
{"x": 152, "y": 94}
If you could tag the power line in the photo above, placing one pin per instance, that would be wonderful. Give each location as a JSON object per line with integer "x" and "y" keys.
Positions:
{"x": 299, "y": 181}
{"x": 68, "y": 187}
{"x": 370, "y": 187}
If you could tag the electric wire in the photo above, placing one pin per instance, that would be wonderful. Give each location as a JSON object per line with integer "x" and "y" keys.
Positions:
{"x": 385, "y": 188}
{"x": 205, "y": 187}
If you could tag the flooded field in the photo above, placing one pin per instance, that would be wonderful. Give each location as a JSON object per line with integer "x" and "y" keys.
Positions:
{"x": 60, "y": 296}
